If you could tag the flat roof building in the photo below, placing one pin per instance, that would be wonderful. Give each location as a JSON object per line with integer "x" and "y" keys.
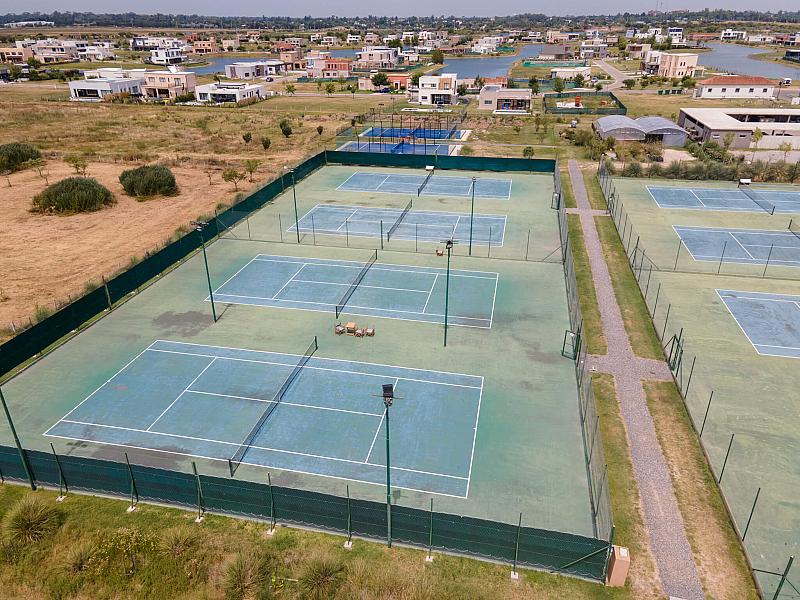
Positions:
{"x": 779, "y": 125}
{"x": 501, "y": 100}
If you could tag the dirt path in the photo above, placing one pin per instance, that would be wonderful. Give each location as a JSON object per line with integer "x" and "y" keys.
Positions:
{"x": 662, "y": 518}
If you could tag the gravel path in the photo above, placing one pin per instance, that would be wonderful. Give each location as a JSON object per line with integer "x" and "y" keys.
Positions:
{"x": 662, "y": 519}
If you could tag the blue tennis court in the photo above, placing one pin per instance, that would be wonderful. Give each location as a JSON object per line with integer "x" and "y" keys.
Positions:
{"x": 437, "y": 185}
{"x": 749, "y": 246}
{"x": 203, "y": 401}
{"x": 422, "y": 225}
{"x": 726, "y": 199}
{"x": 399, "y": 148}
{"x": 770, "y": 321}
{"x": 404, "y": 292}
{"x": 419, "y": 132}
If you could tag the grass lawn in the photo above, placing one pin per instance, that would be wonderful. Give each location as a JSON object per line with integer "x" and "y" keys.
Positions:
{"x": 635, "y": 316}
{"x": 719, "y": 556}
{"x": 566, "y": 187}
{"x": 595, "y": 193}
{"x": 97, "y": 550}
{"x": 593, "y": 326}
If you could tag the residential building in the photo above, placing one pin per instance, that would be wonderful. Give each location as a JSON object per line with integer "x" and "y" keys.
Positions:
{"x": 144, "y": 43}
{"x": 637, "y": 51}
{"x": 114, "y": 73}
{"x": 54, "y": 51}
{"x": 208, "y": 46}
{"x": 533, "y": 36}
{"x": 673, "y": 65}
{"x": 731, "y": 35}
{"x": 392, "y": 37}
{"x": 559, "y": 37}
{"x": 231, "y": 44}
{"x": 253, "y": 36}
{"x": 17, "y": 24}
{"x": 611, "y": 40}
{"x": 397, "y": 82}
{"x": 327, "y": 67}
{"x": 675, "y": 35}
{"x": 761, "y": 38}
{"x": 735, "y": 86}
{"x": 330, "y": 40}
{"x": 501, "y": 99}
{"x": 377, "y": 57}
{"x": 167, "y": 85}
{"x": 792, "y": 40}
{"x": 353, "y": 38}
{"x": 435, "y": 90}
{"x": 407, "y": 36}
{"x": 224, "y": 92}
{"x": 15, "y": 56}
{"x": 295, "y": 42}
{"x": 98, "y": 89}
{"x": 97, "y": 52}
{"x": 593, "y": 48}
{"x": 408, "y": 57}
{"x": 779, "y": 125}
{"x": 569, "y": 73}
{"x": 254, "y": 69}
{"x": 294, "y": 60}
{"x": 372, "y": 39}
{"x": 557, "y": 52}
{"x": 793, "y": 55}
{"x": 167, "y": 56}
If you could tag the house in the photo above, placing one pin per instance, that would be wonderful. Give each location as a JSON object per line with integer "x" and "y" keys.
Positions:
{"x": 253, "y": 36}
{"x": 761, "y": 38}
{"x": 97, "y": 52}
{"x": 293, "y": 60}
{"x": 114, "y": 73}
{"x": 397, "y": 82}
{"x": 254, "y": 69}
{"x": 353, "y": 38}
{"x": 231, "y": 44}
{"x": 208, "y": 46}
{"x": 569, "y": 73}
{"x": 407, "y": 36}
{"x": 145, "y": 43}
{"x": 295, "y": 42}
{"x": 501, "y": 99}
{"x": 779, "y": 125}
{"x": 377, "y": 57}
{"x": 672, "y": 65}
{"x": 224, "y": 92}
{"x": 593, "y": 48}
{"x": 392, "y": 37}
{"x": 167, "y": 85}
{"x": 435, "y": 90}
{"x": 792, "y": 55}
{"x": 792, "y": 40}
{"x": 327, "y": 67}
{"x": 637, "y": 51}
{"x": 314, "y": 37}
{"x": 731, "y": 35}
{"x": 735, "y": 86}
{"x": 15, "y": 56}
{"x": 559, "y": 37}
{"x": 675, "y": 35}
{"x": 533, "y": 36}
{"x": 330, "y": 40}
{"x": 372, "y": 39}
{"x": 50, "y": 51}
{"x": 557, "y": 52}
{"x": 100, "y": 88}
{"x": 167, "y": 56}
{"x": 408, "y": 57}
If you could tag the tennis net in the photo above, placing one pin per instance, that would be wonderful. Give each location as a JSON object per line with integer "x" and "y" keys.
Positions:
{"x": 767, "y": 206}
{"x": 421, "y": 188}
{"x": 238, "y": 456}
{"x": 399, "y": 220}
{"x": 343, "y": 302}
{"x": 794, "y": 227}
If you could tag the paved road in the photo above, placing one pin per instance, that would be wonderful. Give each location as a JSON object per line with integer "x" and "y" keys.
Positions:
{"x": 618, "y": 75}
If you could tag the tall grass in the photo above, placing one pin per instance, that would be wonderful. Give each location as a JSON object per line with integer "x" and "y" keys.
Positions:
{"x": 30, "y": 520}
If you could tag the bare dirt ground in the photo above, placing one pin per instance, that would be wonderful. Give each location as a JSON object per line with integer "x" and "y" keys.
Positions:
{"x": 46, "y": 258}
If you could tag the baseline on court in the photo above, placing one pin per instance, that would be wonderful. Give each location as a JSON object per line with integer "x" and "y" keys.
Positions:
{"x": 748, "y": 246}
{"x": 421, "y": 225}
{"x": 171, "y": 396}
{"x": 405, "y": 292}
{"x": 771, "y": 322}
{"x": 438, "y": 185}
{"x": 724, "y": 199}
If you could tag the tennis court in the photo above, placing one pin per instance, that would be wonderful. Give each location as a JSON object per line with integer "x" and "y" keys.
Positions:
{"x": 436, "y": 185}
{"x": 329, "y": 421}
{"x": 421, "y": 225}
{"x": 418, "y": 132}
{"x": 405, "y": 292}
{"x": 399, "y": 148}
{"x": 771, "y": 322}
{"x": 748, "y": 246}
{"x": 726, "y": 199}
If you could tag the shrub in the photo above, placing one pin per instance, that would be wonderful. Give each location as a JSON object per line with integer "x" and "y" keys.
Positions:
{"x": 286, "y": 128}
{"x": 78, "y": 558}
{"x": 31, "y": 520}
{"x": 14, "y": 155}
{"x": 245, "y": 576}
{"x": 149, "y": 180}
{"x": 73, "y": 195}
{"x": 321, "y": 577}
{"x": 178, "y": 542}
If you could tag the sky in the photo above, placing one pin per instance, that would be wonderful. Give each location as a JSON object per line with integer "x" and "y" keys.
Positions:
{"x": 320, "y": 8}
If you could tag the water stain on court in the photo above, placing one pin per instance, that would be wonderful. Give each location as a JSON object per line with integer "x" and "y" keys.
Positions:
{"x": 186, "y": 324}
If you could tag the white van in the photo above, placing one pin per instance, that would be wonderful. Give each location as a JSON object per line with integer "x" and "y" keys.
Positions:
{"x": 786, "y": 81}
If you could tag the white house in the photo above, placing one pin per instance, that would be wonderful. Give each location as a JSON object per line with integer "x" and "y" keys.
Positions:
{"x": 569, "y": 73}
{"x": 735, "y": 86}
{"x": 353, "y": 38}
{"x": 435, "y": 90}
{"x": 329, "y": 40}
{"x": 760, "y": 38}
{"x": 97, "y": 52}
{"x": 167, "y": 56}
{"x": 219, "y": 93}
{"x": 731, "y": 35}
{"x": 149, "y": 42}
{"x": 97, "y": 89}
{"x": 377, "y": 57}
{"x": 253, "y": 69}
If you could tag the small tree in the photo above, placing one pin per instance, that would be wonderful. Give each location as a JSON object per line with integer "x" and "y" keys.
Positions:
{"x": 437, "y": 57}
{"x": 286, "y": 128}
{"x": 533, "y": 83}
{"x": 558, "y": 85}
{"x": 247, "y": 137}
{"x": 785, "y": 147}
{"x": 266, "y": 143}
{"x": 380, "y": 80}
{"x": 320, "y": 129}
{"x": 290, "y": 89}
{"x": 330, "y": 88}
{"x": 233, "y": 176}
{"x": 537, "y": 121}
{"x": 77, "y": 162}
{"x": 479, "y": 81}
{"x": 352, "y": 89}
{"x": 579, "y": 80}
{"x": 251, "y": 166}
{"x": 5, "y": 169}
{"x": 598, "y": 86}
{"x": 527, "y": 152}
{"x": 757, "y": 135}
{"x": 629, "y": 83}
{"x": 415, "y": 78}
{"x": 461, "y": 89}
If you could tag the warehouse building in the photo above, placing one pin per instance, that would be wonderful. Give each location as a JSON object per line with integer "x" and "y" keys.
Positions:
{"x": 643, "y": 129}
{"x": 778, "y": 125}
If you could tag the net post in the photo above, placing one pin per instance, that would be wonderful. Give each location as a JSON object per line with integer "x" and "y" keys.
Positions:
{"x": 766, "y": 266}
{"x": 22, "y": 456}
{"x": 381, "y": 236}
{"x": 489, "y": 244}
{"x": 134, "y": 491}
{"x": 347, "y": 232}
{"x": 678, "y": 253}
{"x": 722, "y": 256}
{"x": 201, "y": 509}
{"x": 247, "y": 220}
{"x": 705, "y": 416}
{"x": 62, "y": 482}
{"x": 108, "y": 295}
{"x": 725, "y": 462}
{"x": 348, "y": 545}
{"x": 416, "y": 237}
{"x": 528, "y": 244}
{"x": 280, "y": 226}
{"x": 271, "y": 530}
{"x": 752, "y": 510}
{"x": 514, "y": 573}
{"x": 313, "y": 232}
{"x": 429, "y": 558}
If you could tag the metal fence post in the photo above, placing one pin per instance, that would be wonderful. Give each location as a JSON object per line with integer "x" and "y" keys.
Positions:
{"x": 677, "y": 254}
{"x": 348, "y": 545}
{"x": 725, "y": 462}
{"x": 22, "y": 456}
{"x": 783, "y": 578}
{"x": 705, "y": 416}
{"x": 134, "y": 491}
{"x": 347, "y": 232}
{"x": 666, "y": 320}
{"x": 62, "y": 482}
{"x": 201, "y": 509}
{"x": 722, "y": 256}
{"x": 108, "y": 295}
{"x": 689, "y": 380}
{"x": 280, "y": 226}
{"x": 528, "y": 244}
{"x": 749, "y": 518}
{"x": 429, "y": 558}
{"x": 514, "y": 573}
{"x": 313, "y": 232}
{"x": 381, "y": 236}
{"x": 271, "y": 507}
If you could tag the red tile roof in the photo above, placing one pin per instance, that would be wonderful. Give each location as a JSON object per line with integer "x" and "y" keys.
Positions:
{"x": 736, "y": 80}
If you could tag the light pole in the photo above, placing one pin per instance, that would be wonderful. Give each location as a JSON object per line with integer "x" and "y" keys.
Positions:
{"x": 388, "y": 396}
{"x": 199, "y": 226}
{"x": 294, "y": 196}
{"x": 449, "y": 246}
{"x": 471, "y": 215}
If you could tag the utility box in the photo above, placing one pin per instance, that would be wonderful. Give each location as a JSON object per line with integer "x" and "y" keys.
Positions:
{"x": 618, "y": 566}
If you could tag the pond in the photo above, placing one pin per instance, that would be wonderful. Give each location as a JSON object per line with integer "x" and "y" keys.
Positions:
{"x": 736, "y": 59}
{"x": 487, "y": 66}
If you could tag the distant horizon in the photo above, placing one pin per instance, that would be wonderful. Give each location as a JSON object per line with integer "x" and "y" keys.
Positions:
{"x": 354, "y": 9}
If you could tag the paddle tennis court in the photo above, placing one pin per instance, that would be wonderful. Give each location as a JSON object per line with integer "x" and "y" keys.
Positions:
{"x": 436, "y": 185}
{"x": 419, "y": 132}
{"x": 771, "y": 322}
{"x": 726, "y": 199}
{"x": 399, "y": 148}
{"x": 201, "y": 401}
{"x": 397, "y": 224}
{"x": 748, "y": 246}
{"x": 412, "y": 293}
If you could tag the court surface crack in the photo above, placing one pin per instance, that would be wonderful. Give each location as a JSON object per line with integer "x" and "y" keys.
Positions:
{"x": 662, "y": 518}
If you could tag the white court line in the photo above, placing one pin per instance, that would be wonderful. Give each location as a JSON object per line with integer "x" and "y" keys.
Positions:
{"x": 494, "y": 302}
{"x": 696, "y": 196}
{"x": 388, "y": 267}
{"x": 425, "y": 308}
{"x": 360, "y": 285}
{"x": 733, "y": 237}
{"x": 345, "y": 221}
{"x": 224, "y": 283}
{"x": 474, "y": 437}
{"x": 182, "y": 393}
{"x": 375, "y": 437}
{"x": 730, "y": 311}
{"x": 458, "y": 220}
{"x": 346, "y": 180}
{"x": 342, "y": 410}
{"x": 104, "y": 384}
{"x": 308, "y": 366}
{"x": 288, "y": 281}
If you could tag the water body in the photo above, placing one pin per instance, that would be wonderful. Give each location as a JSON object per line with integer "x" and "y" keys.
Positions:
{"x": 736, "y": 59}
{"x": 487, "y": 66}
